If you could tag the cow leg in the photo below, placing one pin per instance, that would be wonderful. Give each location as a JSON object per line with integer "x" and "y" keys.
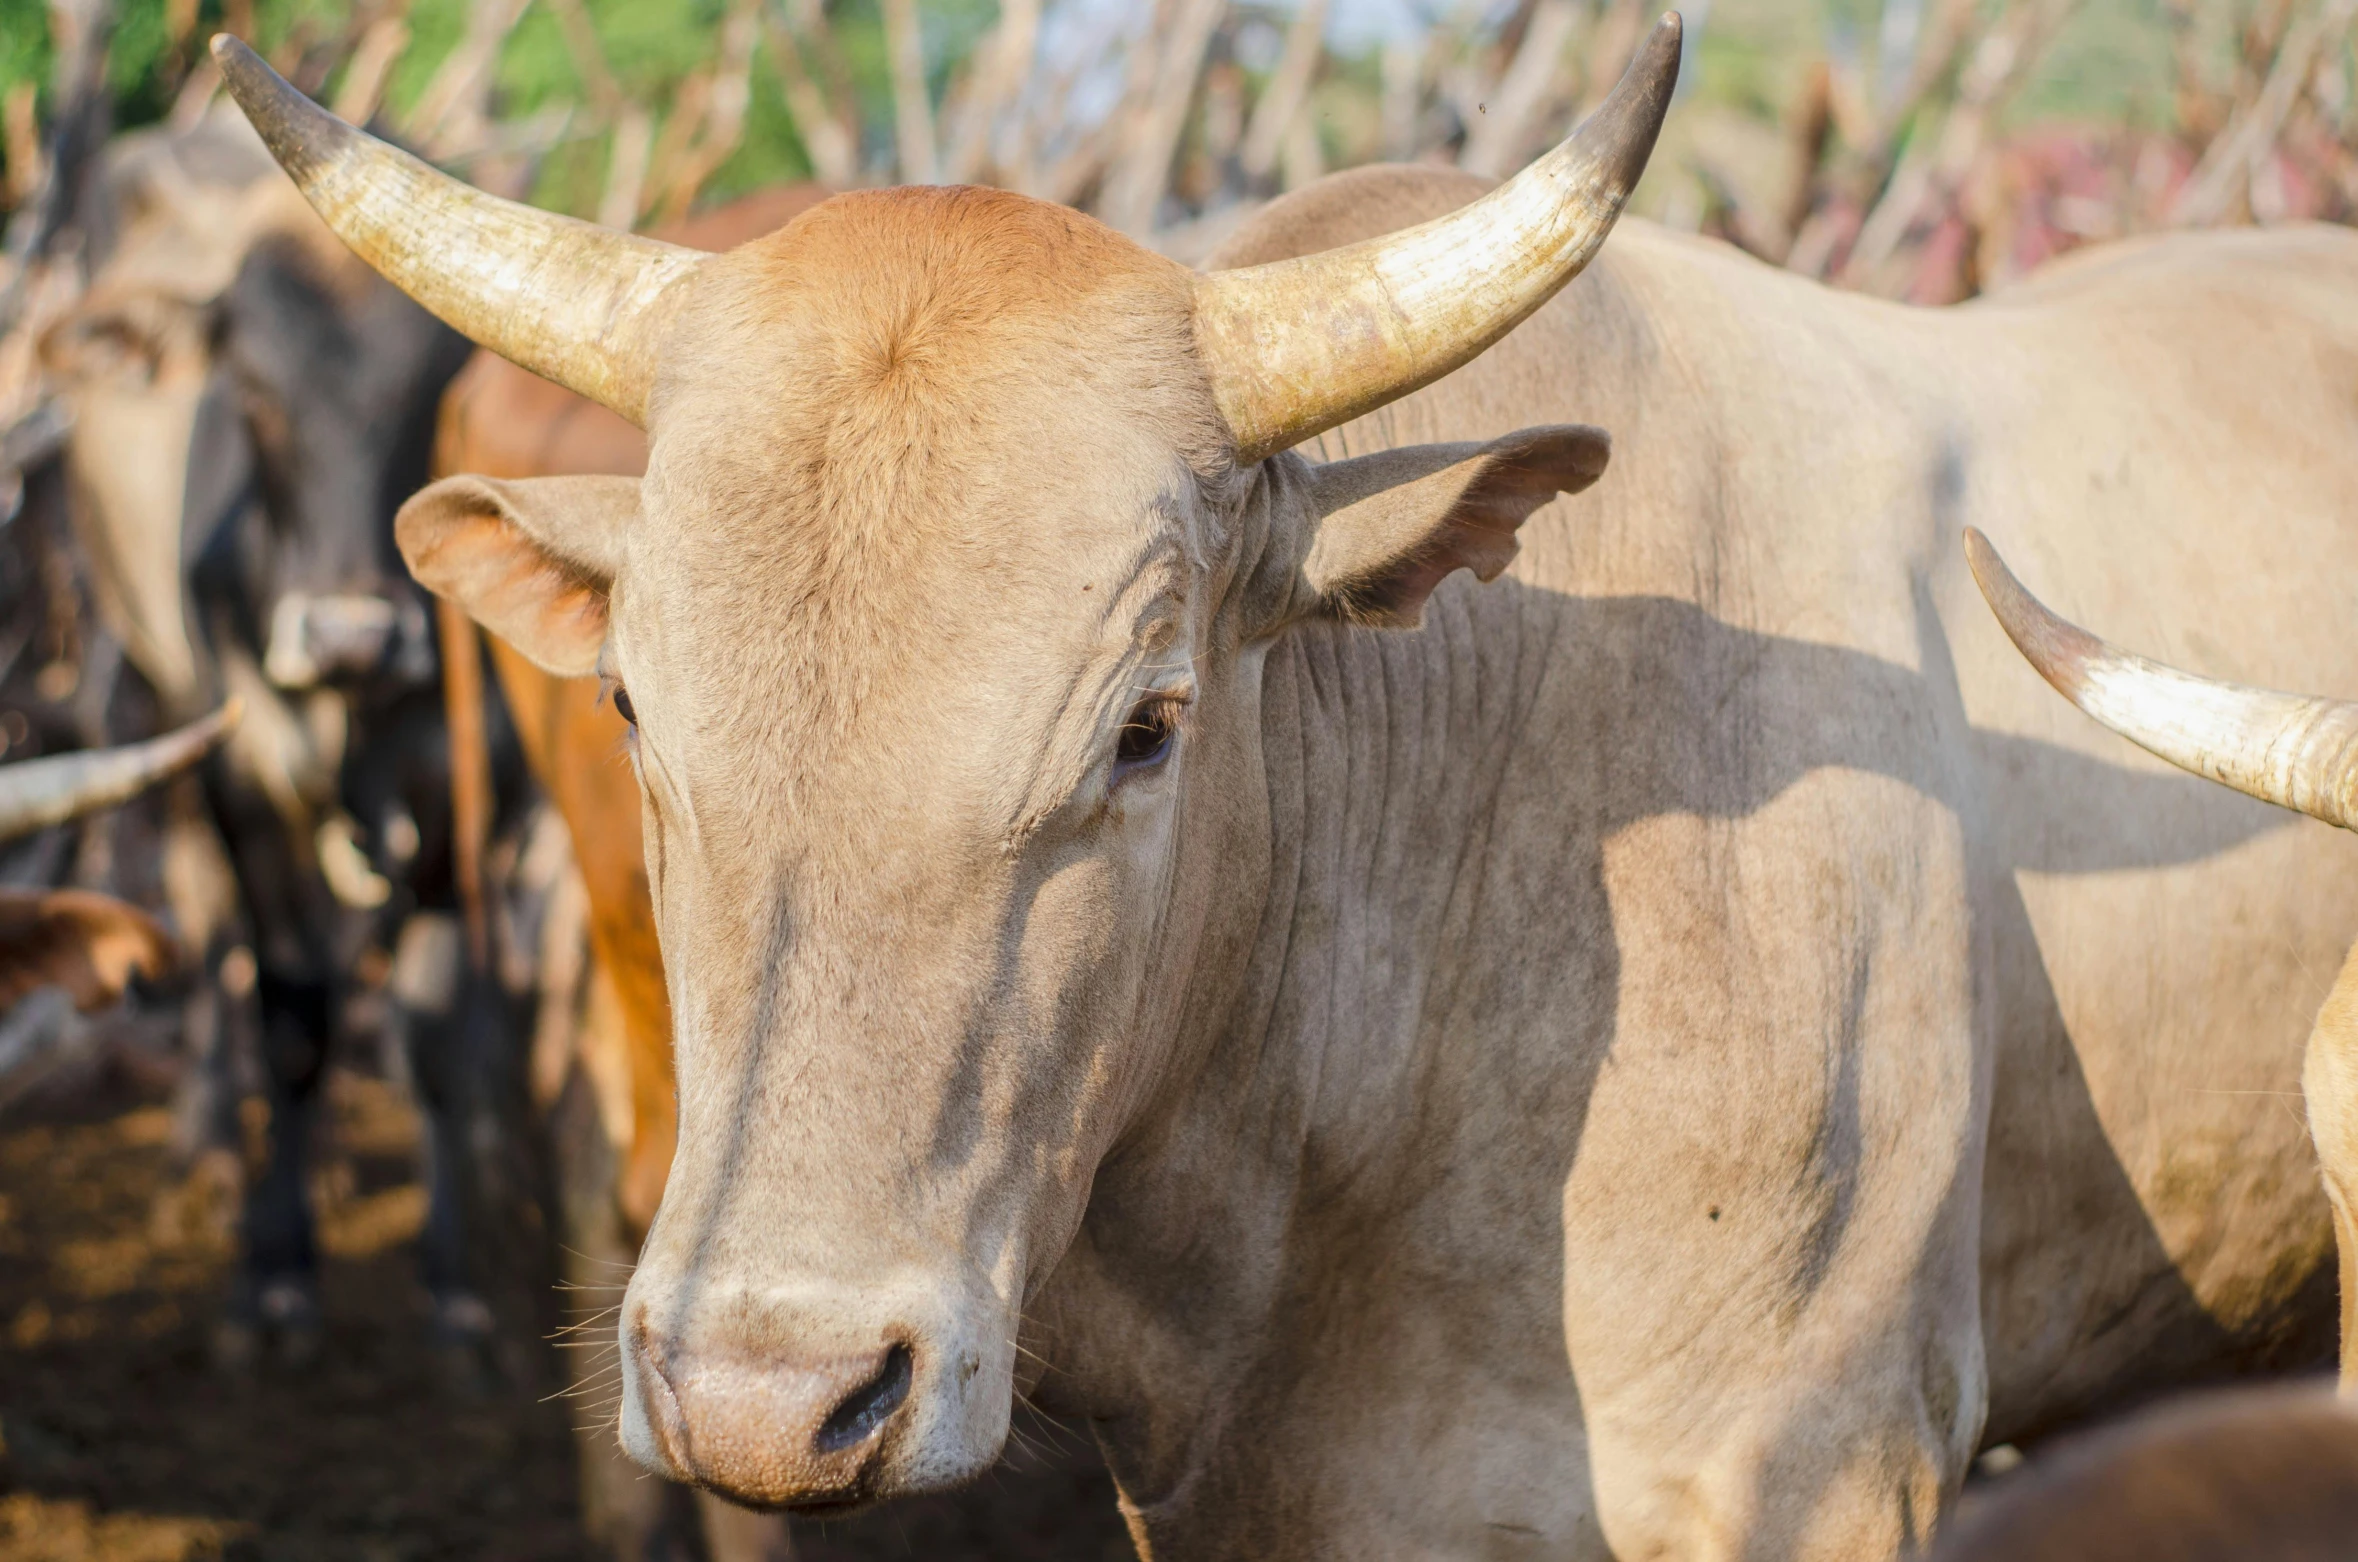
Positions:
{"x": 2329, "y": 1081}
{"x": 429, "y": 989}
{"x": 279, "y": 1291}
{"x": 734, "y": 1534}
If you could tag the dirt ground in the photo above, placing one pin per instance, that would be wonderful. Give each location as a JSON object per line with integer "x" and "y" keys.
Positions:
{"x": 121, "y": 1441}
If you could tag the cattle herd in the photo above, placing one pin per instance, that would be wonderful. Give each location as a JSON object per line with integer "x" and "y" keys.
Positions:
{"x": 1422, "y": 872}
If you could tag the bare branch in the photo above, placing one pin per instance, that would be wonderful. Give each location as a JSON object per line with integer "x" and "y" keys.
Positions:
{"x": 912, "y": 110}
{"x": 1141, "y": 171}
{"x": 21, "y": 119}
{"x": 1004, "y": 60}
{"x": 835, "y": 158}
{"x": 1288, "y": 89}
{"x": 371, "y": 66}
{"x": 723, "y": 128}
{"x": 1500, "y": 137}
{"x": 451, "y": 113}
{"x": 1928, "y": 181}
{"x": 589, "y": 57}
{"x": 2224, "y": 176}
{"x": 628, "y": 153}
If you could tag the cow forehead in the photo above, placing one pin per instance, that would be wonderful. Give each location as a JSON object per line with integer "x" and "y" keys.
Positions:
{"x": 916, "y": 435}
{"x": 890, "y": 357}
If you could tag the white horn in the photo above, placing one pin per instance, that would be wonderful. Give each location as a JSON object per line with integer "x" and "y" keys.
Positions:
{"x": 576, "y": 303}
{"x": 2287, "y": 749}
{"x": 1298, "y": 346}
{"x": 41, "y": 792}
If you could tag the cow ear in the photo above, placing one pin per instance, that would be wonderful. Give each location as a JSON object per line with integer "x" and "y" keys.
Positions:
{"x": 531, "y": 561}
{"x": 89, "y": 944}
{"x": 1393, "y": 525}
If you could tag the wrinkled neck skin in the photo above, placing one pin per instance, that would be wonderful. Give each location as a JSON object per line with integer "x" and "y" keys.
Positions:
{"x": 1270, "y": 1161}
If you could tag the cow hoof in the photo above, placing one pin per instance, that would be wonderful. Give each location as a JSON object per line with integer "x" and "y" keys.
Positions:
{"x": 462, "y": 1344}
{"x": 289, "y": 1311}
{"x": 235, "y": 1345}
{"x": 462, "y": 1372}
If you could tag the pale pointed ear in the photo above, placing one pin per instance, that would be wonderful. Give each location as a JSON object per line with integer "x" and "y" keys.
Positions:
{"x": 531, "y": 561}
{"x": 1393, "y": 525}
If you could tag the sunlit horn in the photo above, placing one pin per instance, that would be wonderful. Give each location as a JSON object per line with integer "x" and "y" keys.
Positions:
{"x": 37, "y": 793}
{"x": 2287, "y": 749}
{"x": 1298, "y": 346}
{"x": 577, "y": 303}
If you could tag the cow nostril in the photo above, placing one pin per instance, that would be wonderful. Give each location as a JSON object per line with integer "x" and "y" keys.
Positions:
{"x": 869, "y": 1406}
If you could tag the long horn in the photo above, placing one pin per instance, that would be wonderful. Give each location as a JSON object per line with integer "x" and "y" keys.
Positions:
{"x": 1298, "y": 346}
{"x": 573, "y": 302}
{"x": 41, "y": 792}
{"x": 2287, "y": 749}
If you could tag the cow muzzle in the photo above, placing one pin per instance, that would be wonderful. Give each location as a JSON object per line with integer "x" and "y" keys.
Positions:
{"x": 816, "y": 1430}
{"x": 318, "y": 639}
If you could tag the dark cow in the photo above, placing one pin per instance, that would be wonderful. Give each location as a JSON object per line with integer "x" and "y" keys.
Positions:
{"x": 285, "y": 397}
{"x": 316, "y": 424}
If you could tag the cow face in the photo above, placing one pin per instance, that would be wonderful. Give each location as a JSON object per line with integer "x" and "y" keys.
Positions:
{"x": 334, "y": 374}
{"x": 939, "y": 614}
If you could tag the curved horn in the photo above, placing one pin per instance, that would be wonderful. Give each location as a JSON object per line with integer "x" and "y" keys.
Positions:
{"x": 41, "y": 792}
{"x": 2286, "y": 749}
{"x": 1298, "y": 346}
{"x": 573, "y": 302}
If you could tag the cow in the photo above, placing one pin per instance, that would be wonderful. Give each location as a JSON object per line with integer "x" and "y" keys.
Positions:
{"x": 87, "y": 945}
{"x": 69, "y": 951}
{"x": 251, "y": 405}
{"x": 2290, "y": 750}
{"x": 2255, "y": 1475}
{"x": 1633, "y": 1054}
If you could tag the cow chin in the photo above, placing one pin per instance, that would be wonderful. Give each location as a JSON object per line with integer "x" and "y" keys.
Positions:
{"x": 777, "y": 1399}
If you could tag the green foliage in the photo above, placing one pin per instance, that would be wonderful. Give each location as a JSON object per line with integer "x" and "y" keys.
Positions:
{"x": 2110, "y": 62}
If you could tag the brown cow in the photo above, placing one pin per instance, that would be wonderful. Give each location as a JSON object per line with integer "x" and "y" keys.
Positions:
{"x": 2265, "y": 1475}
{"x": 507, "y": 422}
{"x": 504, "y": 421}
{"x": 86, "y": 945}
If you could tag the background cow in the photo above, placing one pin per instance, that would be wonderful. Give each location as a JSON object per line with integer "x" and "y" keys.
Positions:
{"x": 280, "y": 400}
{"x": 2296, "y": 752}
{"x": 2265, "y": 1475}
{"x": 615, "y": 1109}
{"x": 81, "y": 947}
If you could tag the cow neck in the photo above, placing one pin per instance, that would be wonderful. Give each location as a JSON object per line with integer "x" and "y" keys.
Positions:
{"x": 1382, "y": 756}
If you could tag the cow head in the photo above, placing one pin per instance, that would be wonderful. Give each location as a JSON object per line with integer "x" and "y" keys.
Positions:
{"x": 939, "y": 615}
{"x": 333, "y": 375}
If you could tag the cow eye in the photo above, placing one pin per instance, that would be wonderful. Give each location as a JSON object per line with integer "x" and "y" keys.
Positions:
{"x": 1146, "y": 736}
{"x": 623, "y": 706}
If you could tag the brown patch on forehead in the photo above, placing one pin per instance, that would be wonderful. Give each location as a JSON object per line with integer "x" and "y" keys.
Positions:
{"x": 880, "y": 305}
{"x": 882, "y": 431}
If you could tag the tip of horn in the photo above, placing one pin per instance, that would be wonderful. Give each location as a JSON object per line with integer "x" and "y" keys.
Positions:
{"x": 298, "y": 131}
{"x": 2060, "y": 650}
{"x": 1626, "y": 126}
